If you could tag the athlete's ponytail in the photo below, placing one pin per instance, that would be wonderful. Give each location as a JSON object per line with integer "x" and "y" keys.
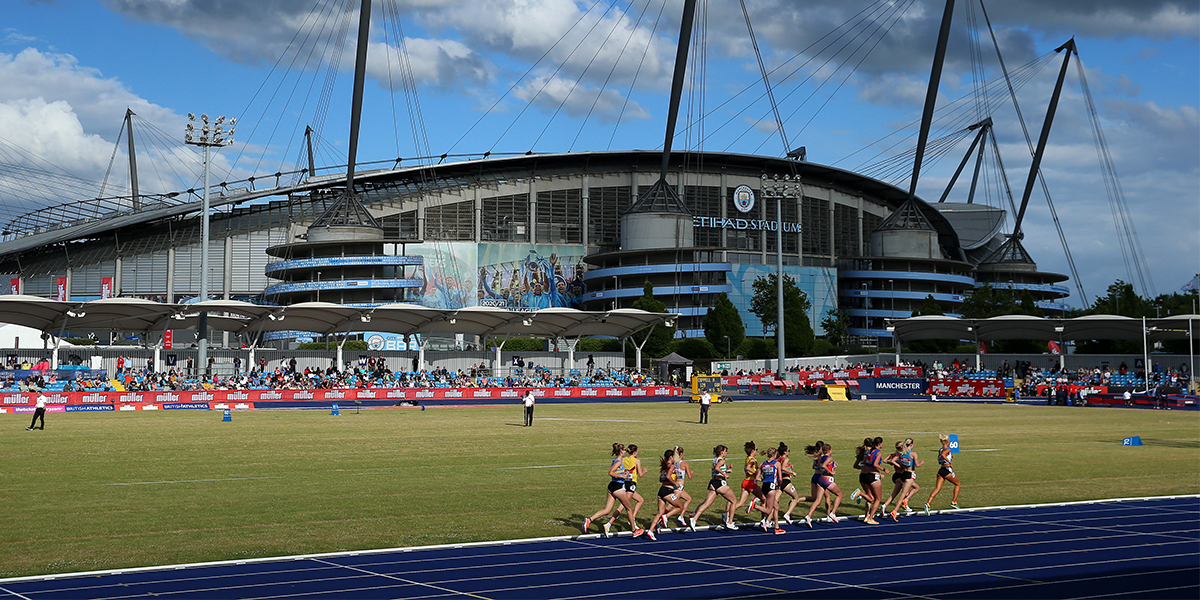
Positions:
{"x": 630, "y": 449}
{"x": 750, "y": 448}
{"x": 718, "y": 449}
{"x": 861, "y": 451}
{"x": 815, "y": 449}
{"x": 618, "y": 448}
{"x": 665, "y": 463}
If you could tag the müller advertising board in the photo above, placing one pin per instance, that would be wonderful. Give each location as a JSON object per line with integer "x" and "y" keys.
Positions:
{"x": 246, "y": 399}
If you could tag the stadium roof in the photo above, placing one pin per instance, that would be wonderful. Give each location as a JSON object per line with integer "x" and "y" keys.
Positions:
{"x": 323, "y": 318}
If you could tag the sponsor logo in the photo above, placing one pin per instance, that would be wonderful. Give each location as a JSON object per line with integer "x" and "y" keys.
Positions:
{"x": 562, "y": 393}
{"x": 482, "y": 394}
{"x": 454, "y": 394}
{"x": 991, "y": 390}
{"x": 888, "y": 372}
{"x": 743, "y": 198}
{"x": 57, "y": 399}
{"x": 130, "y": 398}
{"x": 637, "y": 392}
{"x": 203, "y": 397}
{"x": 588, "y": 392}
{"x": 369, "y": 394}
{"x": 149, "y": 407}
{"x": 220, "y": 406}
{"x": 92, "y": 398}
{"x": 613, "y": 392}
{"x": 235, "y": 396}
{"x": 127, "y": 407}
{"x": 662, "y": 391}
{"x": 167, "y": 397}
{"x": 270, "y": 395}
{"x": 179, "y": 406}
{"x": 963, "y": 388}
{"x": 242, "y": 406}
{"x": 939, "y": 388}
{"x": 396, "y": 394}
{"x": 334, "y": 394}
{"x": 424, "y": 394}
{"x": 90, "y": 407}
{"x": 302, "y": 395}
{"x": 908, "y": 385}
{"x": 508, "y": 393}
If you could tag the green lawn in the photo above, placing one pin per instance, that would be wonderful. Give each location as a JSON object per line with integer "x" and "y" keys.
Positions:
{"x": 110, "y": 490}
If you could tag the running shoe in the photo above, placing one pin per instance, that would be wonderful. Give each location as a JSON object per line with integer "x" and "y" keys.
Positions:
{"x": 808, "y": 521}
{"x": 907, "y": 511}
{"x": 833, "y": 518}
{"x": 856, "y": 496}
{"x": 607, "y": 529}
{"x": 954, "y": 505}
{"x": 682, "y": 521}
{"x": 787, "y": 518}
{"x": 692, "y": 522}
{"x": 763, "y": 525}
{"x": 779, "y": 531}
{"x": 730, "y": 525}
{"x": 664, "y": 520}
{"x": 893, "y": 516}
{"x": 870, "y": 521}
{"x": 639, "y": 531}
{"x": 587, "y": 523}
{"x": 753, "y": 502}
{"x": 650, "y": 534}
{"x": 927, "y": 509}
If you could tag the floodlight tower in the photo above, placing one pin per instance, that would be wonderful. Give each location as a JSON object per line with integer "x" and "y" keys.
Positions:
{"x": 206, "y": 136}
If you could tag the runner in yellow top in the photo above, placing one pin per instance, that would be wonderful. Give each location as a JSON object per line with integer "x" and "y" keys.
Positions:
{"x": 633, "y": 469}
{"x": 749, "y": 486}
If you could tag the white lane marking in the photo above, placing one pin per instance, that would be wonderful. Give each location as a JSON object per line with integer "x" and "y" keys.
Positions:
{"x": 179, "y": 481}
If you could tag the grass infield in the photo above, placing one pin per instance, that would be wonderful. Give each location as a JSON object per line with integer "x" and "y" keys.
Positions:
{"x": 114, "y": 490}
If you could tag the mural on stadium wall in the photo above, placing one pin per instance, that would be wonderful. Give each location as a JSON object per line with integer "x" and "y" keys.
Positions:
{"x": 518, "y": 276}
{"x": 449, "y": 274}
{"x": 820, "y": 284}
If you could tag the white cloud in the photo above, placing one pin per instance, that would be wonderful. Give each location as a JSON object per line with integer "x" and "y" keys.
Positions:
{"x": 578, "y": 100}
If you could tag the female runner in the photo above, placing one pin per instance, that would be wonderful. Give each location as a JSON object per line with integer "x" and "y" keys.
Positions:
{"x": 824, "y": 468}
{"x": 945, "y": 473}
{"x": 633, "y": 470}
{"x": 718, "y": 484}
{"x": 788, "y": 472}
{"x": 769, "y": 475}
{"x": 867, "y": 460}
{"x": 749, "y": 487}
{"x": 683, "y": 472}
{"x": 616, "y": 493}
{"x": 669, "y": 503}
{"x": 905, "y": 461}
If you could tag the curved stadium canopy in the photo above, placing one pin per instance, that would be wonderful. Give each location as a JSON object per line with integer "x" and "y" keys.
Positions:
{"x": 151, "y": 319}
{"x": 1019, "y": 327}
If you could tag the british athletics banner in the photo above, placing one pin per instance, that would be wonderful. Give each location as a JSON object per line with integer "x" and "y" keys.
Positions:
{"x": 233, "y": 398}
{"x": 988, "y": 388}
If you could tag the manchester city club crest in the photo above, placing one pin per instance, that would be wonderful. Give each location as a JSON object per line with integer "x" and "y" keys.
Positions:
{"x": 743, "y": 198}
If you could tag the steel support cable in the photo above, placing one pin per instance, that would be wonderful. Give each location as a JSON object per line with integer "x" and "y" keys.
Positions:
{"x": 698, "y": 59}
{"x": 1113, "y": 185}
{"x": 338, "y": 36}
{"x": 517, "y": 81}
{"x": 412, "y": 98}
{"x": 611, "y": 71}
{"x": 829, "y": 98}
{"x": 1029, "y": 141}
{"x": 629, "y": 93}
{"x": 586, "y": 68}
{"x": 391, "y": 83}
{"x": 1012, "y": 204}
{"x": 860, "y": 16}
{"x": 762, "y": 68}
{"x": 955, "y": 109}
{"x": 830, "y": 58}
{"x": 550, "y": 79}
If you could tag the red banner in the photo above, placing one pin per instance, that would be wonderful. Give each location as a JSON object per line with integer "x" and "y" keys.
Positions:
{"x": 339, "y": 395}
{"x": 106, "y": 287}
{"x": 61, "y": 283}
{"x": 989, "y": 388}
{"x": 1075, "y": 389}
{"x": 167, "y": 339}
{"x": 14, "y": 285}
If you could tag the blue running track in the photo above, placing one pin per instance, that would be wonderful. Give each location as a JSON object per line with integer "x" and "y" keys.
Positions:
{"x": 1118, "y": 549}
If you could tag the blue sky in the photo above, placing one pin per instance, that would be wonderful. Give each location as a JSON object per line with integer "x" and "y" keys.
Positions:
{"x": 71, "y": 67}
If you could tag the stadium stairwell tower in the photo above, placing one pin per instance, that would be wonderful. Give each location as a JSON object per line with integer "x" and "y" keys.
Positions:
{"x": 344, "y": 254}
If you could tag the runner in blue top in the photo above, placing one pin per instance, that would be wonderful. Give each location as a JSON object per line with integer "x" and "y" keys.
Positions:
{"x": 867, "y": 459}
{"x": 616, "y": 493}
{"x": 905, "y": 479}
{"x": 769, "y": 476}
{"x": 945, "y": 473}
{"x": 824, "y": 468}
{"x": 669, "y": 503}
{"x": 683, "y": 472}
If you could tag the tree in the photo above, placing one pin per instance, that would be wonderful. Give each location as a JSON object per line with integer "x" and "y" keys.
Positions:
{"x": 660, "y": 335}
{"x": 798, "y": 333}
{"x": 986, "y": 302}
{"x": 723, "y": 321}
{"x": 837, "y": 325}
{"x": 930, "y": 307}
